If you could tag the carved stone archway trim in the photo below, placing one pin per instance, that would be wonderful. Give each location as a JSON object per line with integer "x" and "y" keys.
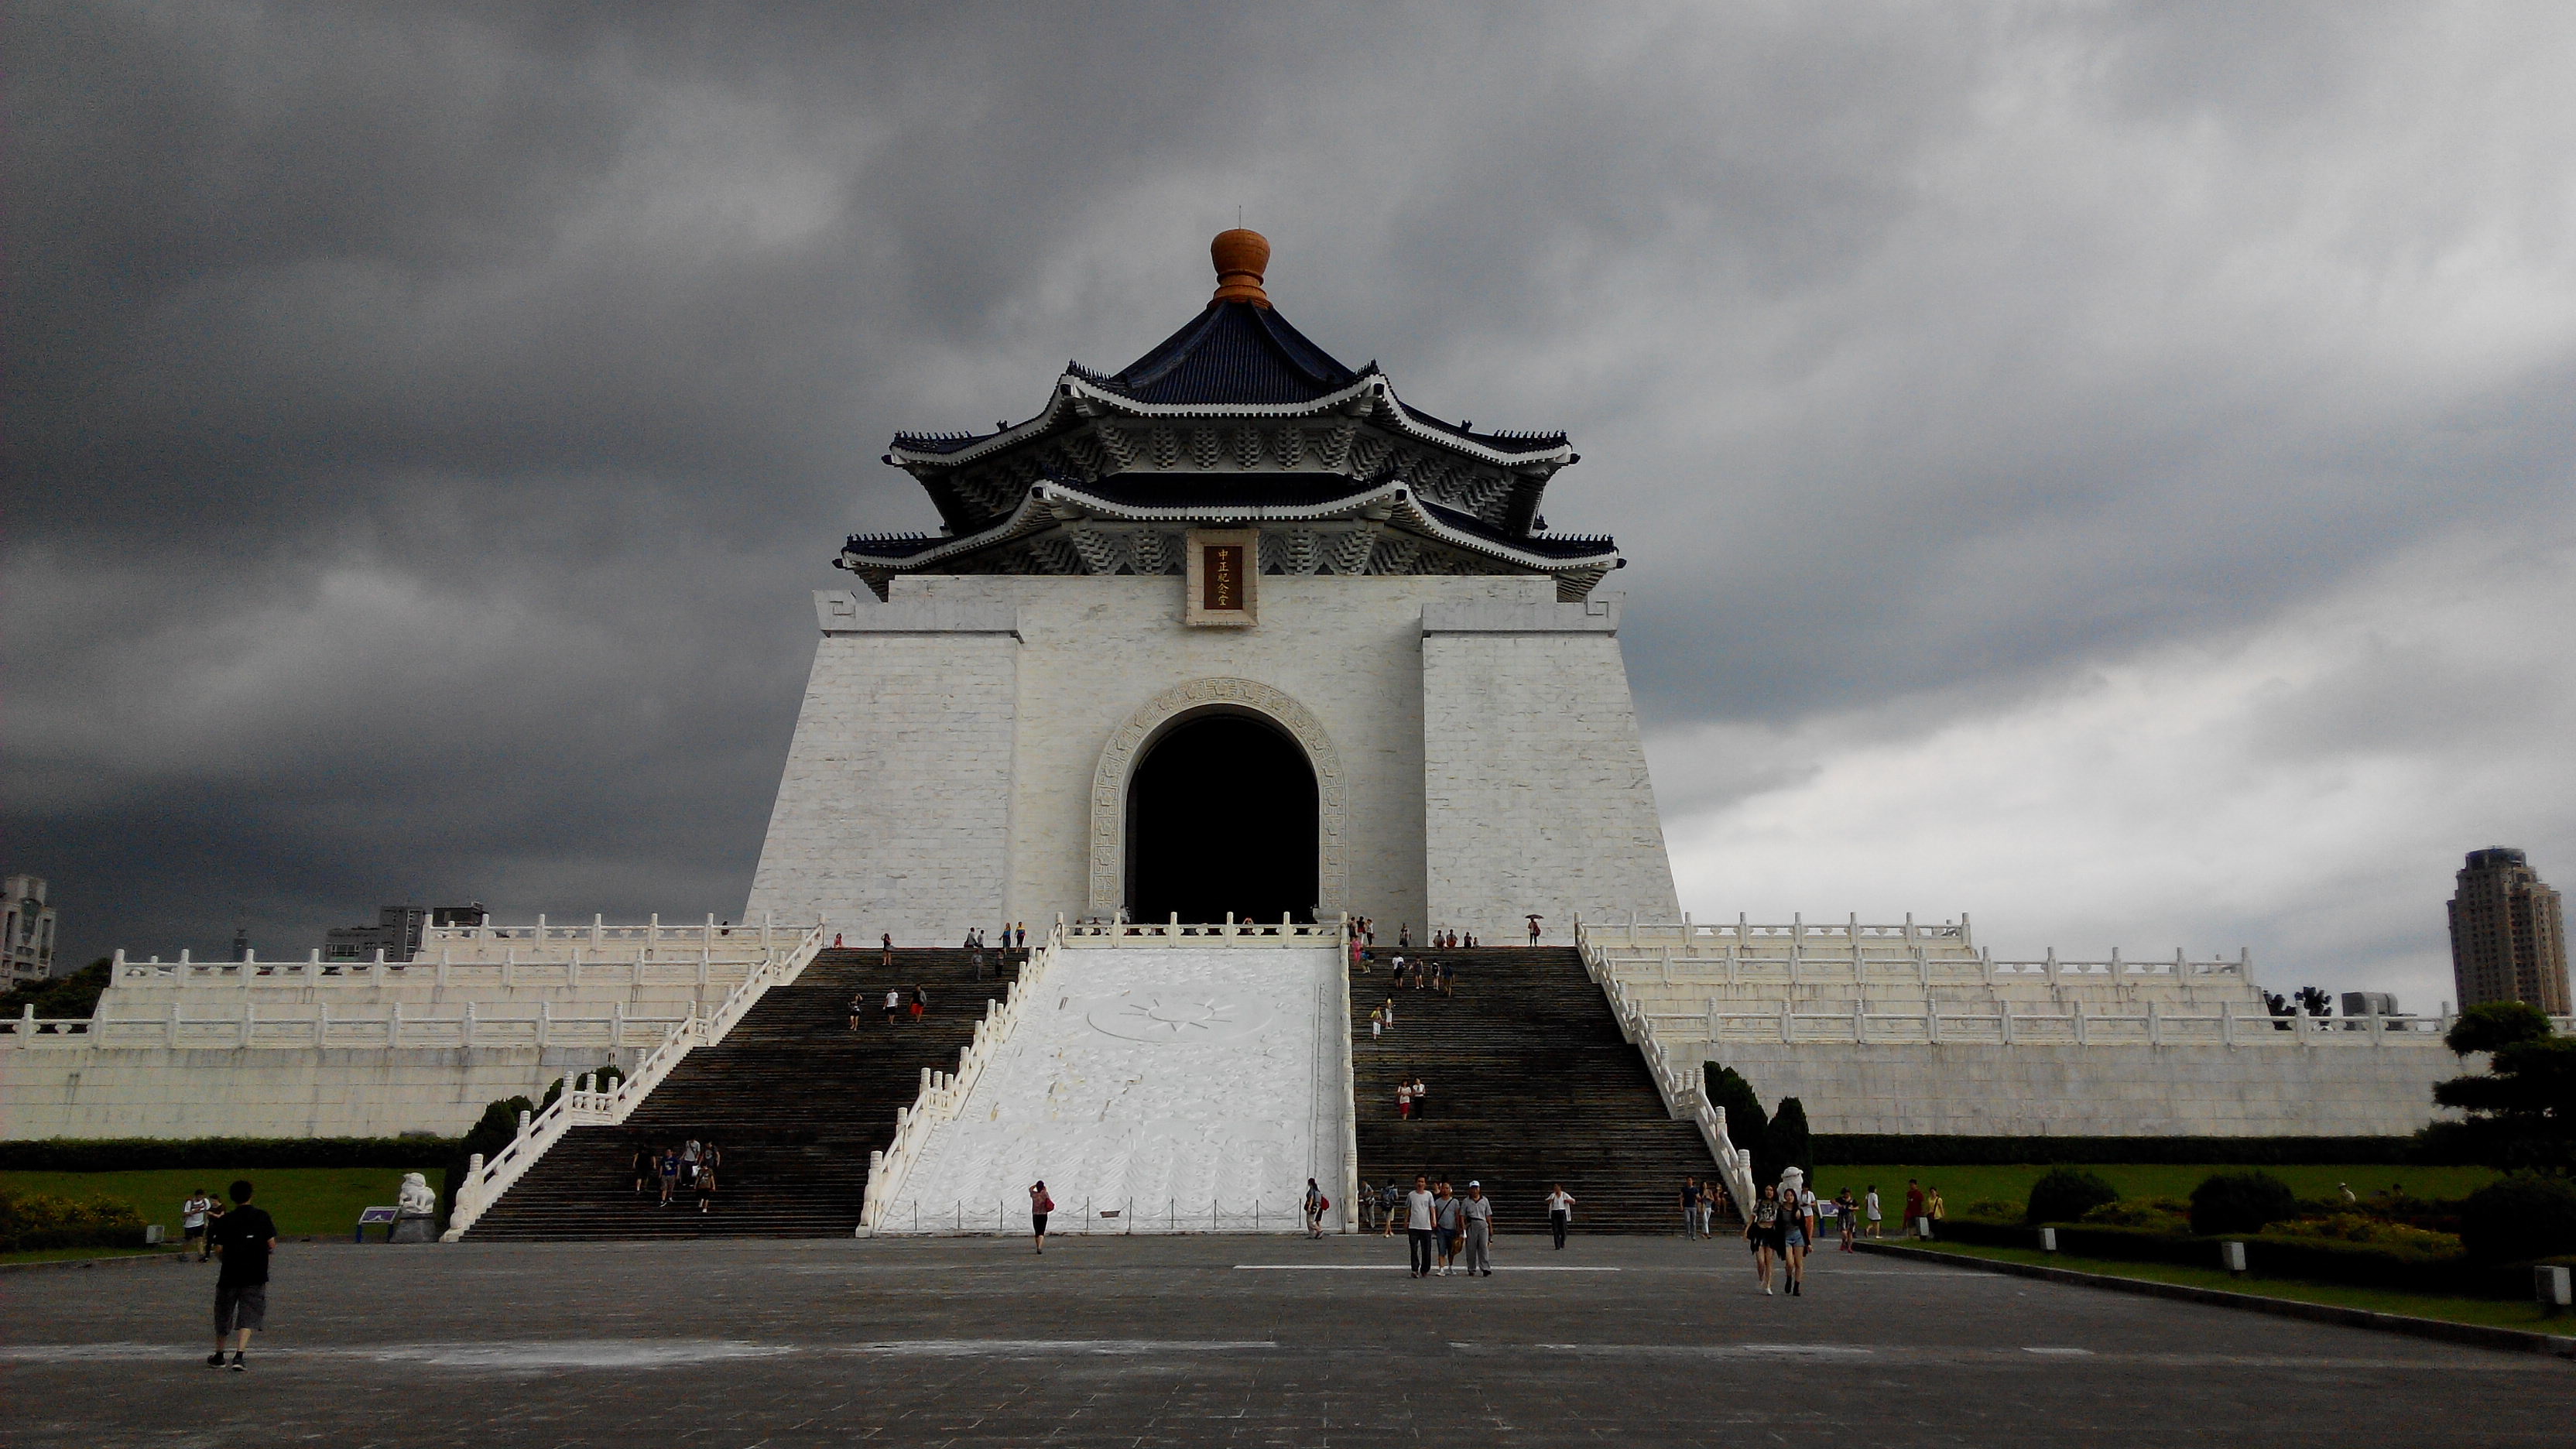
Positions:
{"x": 1129, "y": 739}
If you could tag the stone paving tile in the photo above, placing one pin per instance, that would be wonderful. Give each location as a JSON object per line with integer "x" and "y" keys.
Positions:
{"x": 1167, "y": 1341}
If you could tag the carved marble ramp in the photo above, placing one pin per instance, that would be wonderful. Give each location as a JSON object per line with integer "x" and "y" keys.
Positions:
{"x": 1153, "y": 1090}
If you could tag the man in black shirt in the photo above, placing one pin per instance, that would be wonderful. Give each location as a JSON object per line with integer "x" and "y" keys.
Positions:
{"x": 244, "y": 1236}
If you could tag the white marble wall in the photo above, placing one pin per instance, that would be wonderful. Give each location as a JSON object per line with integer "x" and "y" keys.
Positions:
{"x": 1161, "y": 1083}
{"x": 1536, "y": 797}
{"x": 271, "y": 1092}
{"x": 895, "y": 810}
{"x": 911, "y": 764}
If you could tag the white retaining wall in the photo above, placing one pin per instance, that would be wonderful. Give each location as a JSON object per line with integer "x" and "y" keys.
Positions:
{"x": 310, "y": 1092}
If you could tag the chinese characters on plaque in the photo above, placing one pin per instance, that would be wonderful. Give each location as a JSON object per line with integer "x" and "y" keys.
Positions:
{"x": 1224, "y": 568}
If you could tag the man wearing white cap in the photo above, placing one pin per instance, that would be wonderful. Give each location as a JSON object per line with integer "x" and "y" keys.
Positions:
{"x": 1479, "y": 1212}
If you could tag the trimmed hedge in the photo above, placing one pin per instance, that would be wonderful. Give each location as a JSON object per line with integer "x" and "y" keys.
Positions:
{"x": 145, "y": 1154}
{"x": 1853, "y": 1149}
{"x": 2316, "y": 1260}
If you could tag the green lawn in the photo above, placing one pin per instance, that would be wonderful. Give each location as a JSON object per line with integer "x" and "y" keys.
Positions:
{"x": 1961, "y": 1186}
{"x": 302, "y": 1199}
{"x": 2498, "y": 1313}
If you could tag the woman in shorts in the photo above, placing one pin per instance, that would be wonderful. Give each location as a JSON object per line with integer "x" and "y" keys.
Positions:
{"x": 1762, "y": 1231}
{"x": 1797, "y": 1226}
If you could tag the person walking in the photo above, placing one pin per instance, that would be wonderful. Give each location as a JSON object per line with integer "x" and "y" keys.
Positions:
{"x": 1932, "y": 1204}
{"x": 1314, "y": 1205}
{"x": 1377, "y": 1023}
{"x": 670, "y": 1174}
{"x": 1389, "y": 1198}
{"x": 1533, "y": 924}
{"x": 1040, "y": 1204}
{"x": 920, "y": 1002}
{"x": 1850, "y": 1219}
{"x": 644, "y": 1165}
{"x": 885, "y": 950}
{"x": 1478, "y": 1210}
{"x": 1797, "y": 1229}
{"x": 245, "y": 1237}
{"x": 1421, "y": 1100}
{"x": 1760, "y": 1227}
{"x": 192, "y": 1222}
{"x": 1873, "y": 1210}
{"x": 1690, "y": 1206}
{"x": 1417, "y": 1226}
{"x": 1404, "y": 1101}
{"x": 893, "y": 1004}
{"x": 1560, "y": 1212}
{"x": 1913, "y": 1204}
{"x": 1450, "y": 1222}
{"x": 706, "y": 1187}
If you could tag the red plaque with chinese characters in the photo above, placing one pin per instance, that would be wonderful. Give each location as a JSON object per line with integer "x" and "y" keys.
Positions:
{"x": 1221, "y": 576}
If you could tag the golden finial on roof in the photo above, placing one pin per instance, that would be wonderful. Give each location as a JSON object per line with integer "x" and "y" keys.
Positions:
{"x": 1240, "y": 257}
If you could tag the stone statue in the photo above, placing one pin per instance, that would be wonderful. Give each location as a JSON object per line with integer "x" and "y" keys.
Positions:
{"x": 1792, "y": 1181}
{"x": 417, "y": 1207}
{"x": 415, "y": 1196}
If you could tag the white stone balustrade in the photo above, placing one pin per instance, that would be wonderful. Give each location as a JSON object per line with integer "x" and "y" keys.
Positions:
{"x": 942, "y": 1093}
{"x": 1679, "y": 1085}
{"x": 485, "y": 1183}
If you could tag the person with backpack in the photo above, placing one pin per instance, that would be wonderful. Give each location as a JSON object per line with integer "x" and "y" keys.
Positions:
{"x": 245, "y": 1237}
{"x": 1040, "y": 1204}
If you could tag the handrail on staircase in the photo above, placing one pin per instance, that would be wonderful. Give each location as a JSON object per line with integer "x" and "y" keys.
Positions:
{"x": 943, "y": 1093}
{"x": 485, "y": 1182}
{"x": 1683, "y": 1096}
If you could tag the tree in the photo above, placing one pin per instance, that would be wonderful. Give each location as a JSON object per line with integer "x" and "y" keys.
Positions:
{"x": 72, "y": 997}
{"x": 2314, "y": 999}
{"x": 2496, "y": 1024}
{"x": 1746, "y": 1122}
{"x": 2522, "y": 1109}
{"x": 1787, "y": 1143}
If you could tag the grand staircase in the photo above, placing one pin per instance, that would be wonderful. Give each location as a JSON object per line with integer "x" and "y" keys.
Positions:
{"x": 1530, "y": 1084}
{"x": 795, "y": 1098}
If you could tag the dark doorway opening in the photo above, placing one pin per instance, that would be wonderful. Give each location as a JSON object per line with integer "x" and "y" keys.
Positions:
{"x": 1221, "y": 817}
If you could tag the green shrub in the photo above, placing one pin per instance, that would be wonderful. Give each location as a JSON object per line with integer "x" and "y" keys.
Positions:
{"x": 2164, "y": 1214}
{"x": 41, "y": 1220}
{"x": 2527, "y": 1215}
{"x": 2240, "y": 1202}
{"x": 1847, "y": 1149}
{"x": 1989, "y": 1210}
{"x": 2378, "y": 1232}
{"x": 2065, "y": 1195}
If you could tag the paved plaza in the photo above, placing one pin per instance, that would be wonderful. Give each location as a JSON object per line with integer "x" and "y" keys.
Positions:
{"x": 1193, "y": 1341}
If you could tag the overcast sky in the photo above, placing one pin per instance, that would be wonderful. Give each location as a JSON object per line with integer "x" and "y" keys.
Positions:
{"x": 2106, "y": 469}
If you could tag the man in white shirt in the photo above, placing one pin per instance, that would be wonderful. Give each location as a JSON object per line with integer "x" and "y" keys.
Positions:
{"x": 1478, "y": 1210}
{"x": 192, "y": 1223}
{"x": 1560, "y": 1213}
{"x": 1417, "y": 1225}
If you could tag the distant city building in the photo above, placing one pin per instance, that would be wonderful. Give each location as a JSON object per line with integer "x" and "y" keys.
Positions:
{"x": 396, "y": 932}
{"x": 30, "y": 930}
{"x": 2508, "y": 935}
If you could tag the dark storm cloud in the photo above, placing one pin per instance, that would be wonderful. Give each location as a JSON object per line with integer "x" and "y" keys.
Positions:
{"x": 426, "y": 423}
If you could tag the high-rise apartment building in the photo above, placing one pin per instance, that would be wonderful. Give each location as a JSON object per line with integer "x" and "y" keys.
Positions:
{"x": 28, "y": 935}
{"x": 2508, "y": 936}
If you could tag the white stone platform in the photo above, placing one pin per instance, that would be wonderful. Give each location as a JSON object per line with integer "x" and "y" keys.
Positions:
{"x": 1182, "y": 1090}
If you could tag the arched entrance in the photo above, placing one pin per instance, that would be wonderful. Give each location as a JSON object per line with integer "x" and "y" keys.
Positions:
{"x": 1221, "y": 817}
